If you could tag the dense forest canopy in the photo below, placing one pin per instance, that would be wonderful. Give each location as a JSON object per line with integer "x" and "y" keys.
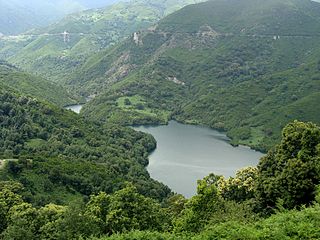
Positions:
{"x": 59, "y": 157}
{"x": 236, "y": 208}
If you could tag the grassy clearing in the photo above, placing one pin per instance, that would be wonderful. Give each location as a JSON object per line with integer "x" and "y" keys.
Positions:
{"x": 139, "y": 105}
{"x": 33, "y": 143}
{"x": 257, "y": 136}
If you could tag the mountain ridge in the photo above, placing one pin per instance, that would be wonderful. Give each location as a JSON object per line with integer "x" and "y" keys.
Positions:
{"x": 205, "y": 76}
{"x": 55, "y": 56}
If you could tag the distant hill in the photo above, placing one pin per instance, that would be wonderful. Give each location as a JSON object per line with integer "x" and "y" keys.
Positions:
{"x": 46, "y": 52}
{"x": 17, "y": 16}
{"x": 97, "y": 3}
{"x": 247, "y": 67}
{"x": 34, "y": 86}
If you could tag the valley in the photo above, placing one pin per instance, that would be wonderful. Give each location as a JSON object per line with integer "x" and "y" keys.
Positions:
{"x": 222, "y": 76}
{"x": 202, "y": 120}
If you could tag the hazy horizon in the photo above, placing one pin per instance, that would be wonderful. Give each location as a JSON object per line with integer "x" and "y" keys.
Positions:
{"x": 18, "y": 16}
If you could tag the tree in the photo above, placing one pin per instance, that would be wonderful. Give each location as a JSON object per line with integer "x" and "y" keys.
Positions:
{"x": 8, "y": 199}
{"x": 175, "y": 204}
{"x": 140, "y": 106}
{"x": 241, "y": 187}
{"x": 22, "y": 222}
{"x": 74, "y": 223}
{"x": 128, "y": 210}
{"x": 291, "y": 171}
{"x": 49, "y": 219}
{"x": 127, "y": 101}
{"x": 200, "y": 208}
{"x": 98, "y": 208}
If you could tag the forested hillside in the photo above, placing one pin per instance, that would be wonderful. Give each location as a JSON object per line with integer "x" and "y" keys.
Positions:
{"x": 54, "y": 56}
{"x": 59, "y": 157}
{"x": 38, "y": 87}
{"x": 248, "y": 67}
{"x": 278, "y": 199}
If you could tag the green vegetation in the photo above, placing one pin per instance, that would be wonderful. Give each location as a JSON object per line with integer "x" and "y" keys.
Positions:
{"x": 34, "y": 86}
{"x": 249, "y": 74}
{"x": 60, "y": 157}
{"x": 44, "y": 51}
{"x": 137, "y": 105}
{"x": 275, "y": 200}
{"x": 250, "y": 67}
{"x": 291, "y": 171}
{"x": 287, "y": 225}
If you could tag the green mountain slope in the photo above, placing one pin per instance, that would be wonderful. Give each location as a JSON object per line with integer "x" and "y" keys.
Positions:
{"x": 272, "y": 17}
{"x": 248, "y": 67}
{"x": 48, "y": 53}
{"x": 277, "y": 200}
{"x": 59, "y": 157}
{"x": 34, "y": 86}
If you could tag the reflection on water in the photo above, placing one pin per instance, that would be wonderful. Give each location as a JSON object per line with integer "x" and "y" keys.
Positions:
{"x": 186, "y": 153}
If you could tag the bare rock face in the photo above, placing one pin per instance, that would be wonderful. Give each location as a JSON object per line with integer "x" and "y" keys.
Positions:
{"x": 176, "y": 81}
{"x": 120, "y": 69}
{"x": 207, "y": 31}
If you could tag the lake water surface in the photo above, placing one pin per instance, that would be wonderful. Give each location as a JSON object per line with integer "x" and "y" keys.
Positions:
{"x": 186, "y": 153}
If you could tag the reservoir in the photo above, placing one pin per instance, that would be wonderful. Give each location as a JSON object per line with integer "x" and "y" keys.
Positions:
{"x": 186, "y": 153}
{"x": 77, "y": 107}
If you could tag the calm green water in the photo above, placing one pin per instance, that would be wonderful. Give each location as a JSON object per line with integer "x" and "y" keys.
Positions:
{"x": 186, "y": 153}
